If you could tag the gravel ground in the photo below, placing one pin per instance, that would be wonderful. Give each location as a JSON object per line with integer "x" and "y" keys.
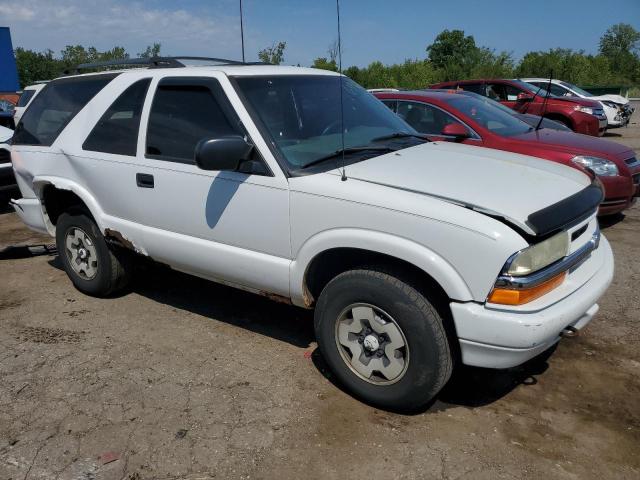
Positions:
{"x": 183, "y": 378}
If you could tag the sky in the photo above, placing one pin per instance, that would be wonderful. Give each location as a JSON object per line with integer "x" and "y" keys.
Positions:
{"x": 390, "y": 31}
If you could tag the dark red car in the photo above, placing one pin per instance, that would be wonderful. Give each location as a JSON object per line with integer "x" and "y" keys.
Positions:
{"x": 469, "y": 118}
{"x": 579, "y": 114}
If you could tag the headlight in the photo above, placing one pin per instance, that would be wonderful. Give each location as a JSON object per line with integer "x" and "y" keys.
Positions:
{"x": 600, "y": 166}
{"x": 588, "y": 110}
{"x": 540, "y": 255}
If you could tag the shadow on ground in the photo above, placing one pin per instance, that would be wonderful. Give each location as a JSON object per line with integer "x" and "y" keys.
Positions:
{"x": 610, "y": 220}
{"x": 26, "y": 251}
{"x": 469, "y": 386}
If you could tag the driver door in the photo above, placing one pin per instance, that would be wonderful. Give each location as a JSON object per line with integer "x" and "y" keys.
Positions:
{"x": 216, "y": 224}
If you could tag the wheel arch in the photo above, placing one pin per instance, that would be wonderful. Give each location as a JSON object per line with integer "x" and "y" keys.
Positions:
{"x": 58, "y": 194}
{"x": 331, "y": 252}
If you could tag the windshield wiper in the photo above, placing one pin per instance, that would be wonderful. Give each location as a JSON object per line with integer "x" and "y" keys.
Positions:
{"x": 400, "y": 135}
{"x": 347, "y": 151}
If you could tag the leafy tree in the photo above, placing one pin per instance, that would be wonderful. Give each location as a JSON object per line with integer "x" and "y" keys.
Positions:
{"x": 620, "y": 44}
{"x": 273, "y": 54}
{"x": 450, "y": 47}
{"x": 151, "y": 51}
{"x": 620, "y": 38}
{"x": 36, "y": 66}
{"x": 325, "y": 64}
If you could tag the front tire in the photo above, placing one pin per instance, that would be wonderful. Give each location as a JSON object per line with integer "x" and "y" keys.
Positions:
{"x": 93, "y": 266}
{"x": 382, "y": 339}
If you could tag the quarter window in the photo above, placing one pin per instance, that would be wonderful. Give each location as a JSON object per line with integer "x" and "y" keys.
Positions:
{"x": 181, "y": 116}
{"x": 117, "y": 130}
{"x": 57, "y": 104}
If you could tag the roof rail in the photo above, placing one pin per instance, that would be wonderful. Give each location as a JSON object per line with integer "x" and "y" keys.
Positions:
{"x": 155, "y": 62}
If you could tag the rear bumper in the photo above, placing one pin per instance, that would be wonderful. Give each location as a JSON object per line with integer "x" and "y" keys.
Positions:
{"x": 501, "y": 338}
{"x": 30, "y": 212}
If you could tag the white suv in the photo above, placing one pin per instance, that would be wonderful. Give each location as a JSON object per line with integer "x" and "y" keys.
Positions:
{"x": 616, "y": 107}
{"x": 415, "y": 254}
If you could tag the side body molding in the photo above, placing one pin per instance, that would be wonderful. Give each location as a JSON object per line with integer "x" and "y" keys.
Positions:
{"x": 430, "y": 262}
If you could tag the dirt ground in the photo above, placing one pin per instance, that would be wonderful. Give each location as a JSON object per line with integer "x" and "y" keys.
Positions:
{"x": 183, "y": 378}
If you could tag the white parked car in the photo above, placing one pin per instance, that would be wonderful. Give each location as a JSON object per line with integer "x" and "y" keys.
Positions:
{"x": 26, "y": 97}
{"x": 616, "y": 107}
{"x": 7, "y": 180}
{"x": 416, "y": 255}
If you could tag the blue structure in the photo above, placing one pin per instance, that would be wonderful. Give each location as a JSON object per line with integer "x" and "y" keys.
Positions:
{"x": 8, "y": 70}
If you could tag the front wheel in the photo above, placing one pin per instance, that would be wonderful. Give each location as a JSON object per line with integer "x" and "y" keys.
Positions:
{"x": 93, "y": 266}
{"x": 383, "y": 340}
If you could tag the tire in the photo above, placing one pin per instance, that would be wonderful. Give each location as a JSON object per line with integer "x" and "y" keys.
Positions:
{"x": 427, "y": 362}
{"x": 106, "y": 269}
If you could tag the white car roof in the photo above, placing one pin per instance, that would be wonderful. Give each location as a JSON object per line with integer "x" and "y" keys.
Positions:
{"x": 230, "y": 70}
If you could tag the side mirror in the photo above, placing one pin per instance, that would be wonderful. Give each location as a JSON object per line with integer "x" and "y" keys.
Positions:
{"x": 225, "y": 153}
{"x": 456, "y": 130}
{"x": 524, "y": 97}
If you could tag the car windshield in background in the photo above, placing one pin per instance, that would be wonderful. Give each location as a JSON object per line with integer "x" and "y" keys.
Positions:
{"x": 301, "y": 114}
{"x": 540, "y": 91}
{"x": 485, "y": 113}
{"x": 576, "y": 89}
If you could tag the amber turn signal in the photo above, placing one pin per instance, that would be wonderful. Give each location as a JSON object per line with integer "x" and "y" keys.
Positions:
{"x": 507, "y": 296}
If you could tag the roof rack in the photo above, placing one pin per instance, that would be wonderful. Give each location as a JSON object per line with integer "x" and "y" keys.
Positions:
{"x": 156, "y": 62}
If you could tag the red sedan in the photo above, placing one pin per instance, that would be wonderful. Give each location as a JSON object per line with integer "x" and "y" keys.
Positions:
{"x": 465, "y": 117}
{"x": 579, "y": 114}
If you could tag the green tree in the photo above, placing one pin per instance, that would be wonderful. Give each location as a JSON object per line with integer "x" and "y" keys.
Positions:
{"x": 450, "y": 47}
{"x": 151, "y": 51}
{"x": 36, "y": 66}
{"x": 620, "y": 44}
{"x": 324, "y": 64}
{"x": 273, "y": 54}
{"x": 621, "y": 38}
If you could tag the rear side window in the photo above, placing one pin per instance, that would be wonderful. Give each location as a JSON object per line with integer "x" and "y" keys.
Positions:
{"x": 473, "y": 87}
{"x": 55, "y": 106}
{"x": 117, "y": 130}
{"x": 25, "y": 97}
{"x": 182, "y": 115}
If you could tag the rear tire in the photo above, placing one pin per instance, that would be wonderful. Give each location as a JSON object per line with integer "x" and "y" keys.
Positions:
{"x": 382, "y": 339}
{"x": 94, "y": 267}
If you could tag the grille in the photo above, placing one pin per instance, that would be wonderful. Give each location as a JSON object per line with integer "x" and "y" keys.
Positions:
{"x": 5, "y": 156}
{"x": 636, "y": 179}
{"x": 631, "y": 161}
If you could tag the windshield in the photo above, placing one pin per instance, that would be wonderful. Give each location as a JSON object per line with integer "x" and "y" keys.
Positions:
{"x": 302, "y": 115}
{"x": 539, "y": 91}
{"x": 576, "y": 89}
{"x": 484, "y": 112}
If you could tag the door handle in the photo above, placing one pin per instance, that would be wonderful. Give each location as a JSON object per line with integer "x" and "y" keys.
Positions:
{"x": 144, "y": 180}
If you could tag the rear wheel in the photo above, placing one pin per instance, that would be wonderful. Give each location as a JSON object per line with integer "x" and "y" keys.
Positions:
{"x": 94, "y": 267}
{"x": 383, "y": 340}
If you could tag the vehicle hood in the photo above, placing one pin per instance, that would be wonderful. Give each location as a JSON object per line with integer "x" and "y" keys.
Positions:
{"x": 611, "y": 98}
{"x": 584, "y": 102}
{"x": 497, "y": 183}
{"x": 576, "y": 143}
{"x": 5, "y": 134}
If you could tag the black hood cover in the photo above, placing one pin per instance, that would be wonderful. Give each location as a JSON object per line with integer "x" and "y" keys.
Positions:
{"x": 567, "y": 212}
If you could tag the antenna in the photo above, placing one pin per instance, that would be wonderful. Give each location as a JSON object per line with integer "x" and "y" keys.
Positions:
{"x": 544, "y": 103}
{"x": 241, "y": 31}
{"x": 344, "y": 173}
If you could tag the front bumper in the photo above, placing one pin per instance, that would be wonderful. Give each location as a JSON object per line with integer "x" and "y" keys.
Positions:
{"x": 620, "y": 192}
{"x": 502, "y": 338}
